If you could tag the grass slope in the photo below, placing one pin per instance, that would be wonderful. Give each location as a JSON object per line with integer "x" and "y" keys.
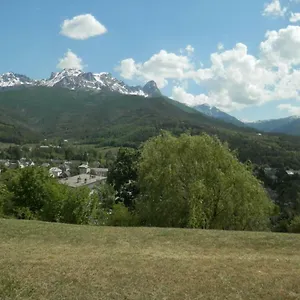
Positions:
{"x": 58, "y": 261}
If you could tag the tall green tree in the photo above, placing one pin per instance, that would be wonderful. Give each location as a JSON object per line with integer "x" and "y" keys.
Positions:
{"x": 123, "y": 176}
{"x": 196, "y": 181}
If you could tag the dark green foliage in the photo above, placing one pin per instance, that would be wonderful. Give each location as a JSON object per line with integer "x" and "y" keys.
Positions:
{"x": 286, "y": 194}
{"x": 121, "y": 216}
{"x": 295, "y": 225}
{"x": 30, "y": 193}
{"x": 123, "y": 176}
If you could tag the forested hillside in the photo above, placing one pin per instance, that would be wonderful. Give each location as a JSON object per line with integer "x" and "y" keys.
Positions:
{"x": 113, "y": 119}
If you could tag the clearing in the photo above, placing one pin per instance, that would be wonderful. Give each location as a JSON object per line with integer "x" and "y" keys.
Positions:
{"x": 57, "y": 261}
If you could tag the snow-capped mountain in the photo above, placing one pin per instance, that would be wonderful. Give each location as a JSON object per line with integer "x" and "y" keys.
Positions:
{"x": 12, "y": 79}
{"x": 214, "y": 112}
{"x": 75, "y": 79}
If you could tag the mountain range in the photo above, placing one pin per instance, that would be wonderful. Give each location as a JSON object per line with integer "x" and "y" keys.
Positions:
{"x": 74, "y": 79}
{"x": 101, "y": 110}
{"x": 289, "y": 125}
{"x": 77, "y": 80}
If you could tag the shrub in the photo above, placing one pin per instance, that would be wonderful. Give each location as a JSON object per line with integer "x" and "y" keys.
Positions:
{"x": 295, "y": 225}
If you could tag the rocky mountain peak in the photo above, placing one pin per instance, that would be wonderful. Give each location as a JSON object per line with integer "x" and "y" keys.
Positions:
{"x": 75, "y": 79}
{"x": 151, "y": 89}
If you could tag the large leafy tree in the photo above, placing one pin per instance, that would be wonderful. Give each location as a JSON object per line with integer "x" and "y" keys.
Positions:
{"x": 123, "y": 176}
{"x": 196, "y": 181}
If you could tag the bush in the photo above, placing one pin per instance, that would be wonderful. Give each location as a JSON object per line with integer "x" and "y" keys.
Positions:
{"x": 121, "y": 216}
{"x": 24, "y": 213}
{"x": 295, "y": 225}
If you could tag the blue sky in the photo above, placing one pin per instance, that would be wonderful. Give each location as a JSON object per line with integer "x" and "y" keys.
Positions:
{"x": 251, "y": 75}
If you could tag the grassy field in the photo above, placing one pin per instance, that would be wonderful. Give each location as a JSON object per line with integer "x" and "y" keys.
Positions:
{"x": 57, "y": 261}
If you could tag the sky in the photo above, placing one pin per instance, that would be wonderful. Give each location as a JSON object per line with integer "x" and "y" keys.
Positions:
{"x": 241, "y": 56}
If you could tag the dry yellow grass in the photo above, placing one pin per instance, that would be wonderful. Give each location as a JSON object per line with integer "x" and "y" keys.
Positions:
{"x": 57, "y": 261}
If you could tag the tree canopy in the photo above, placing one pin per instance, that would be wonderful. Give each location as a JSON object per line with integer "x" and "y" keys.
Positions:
{"x": 196, "y": 181}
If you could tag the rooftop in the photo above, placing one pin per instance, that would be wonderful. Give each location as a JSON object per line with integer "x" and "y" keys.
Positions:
{"x": 85, "y": 179}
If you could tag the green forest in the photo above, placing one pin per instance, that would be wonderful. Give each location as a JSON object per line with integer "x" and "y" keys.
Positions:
{"x": 106, "y": 119}
{"x": 186, "y": 181}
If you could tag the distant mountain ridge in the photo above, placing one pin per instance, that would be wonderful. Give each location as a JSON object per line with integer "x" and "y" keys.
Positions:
{"x": 289, "y": 125}
{"x": 214, "y": 112}
{"x": 74, "y": 79}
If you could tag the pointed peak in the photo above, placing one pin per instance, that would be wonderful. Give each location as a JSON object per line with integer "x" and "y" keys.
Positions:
{"x": 151, "y": 89}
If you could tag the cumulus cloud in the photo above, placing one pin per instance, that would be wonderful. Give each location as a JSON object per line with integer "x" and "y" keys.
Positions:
{"x": 70, "y": 61}
{"x": 220, "y": 47}
{"x": 294, "y": 110}
{"x": 295, "y": 17}
{"x": 160, "y": 67}
{"x": 190, "y": 49}
{"x": 234, "y": 79}
{"x": 82, "y": 27}
{"x": 275, "y": 9}
{"x": 179, "y": 94}
{"x": 282, "y": 46}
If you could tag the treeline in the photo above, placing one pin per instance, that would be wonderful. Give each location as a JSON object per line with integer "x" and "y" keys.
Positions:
{"x": 284, "y": 189}
{"x": 186, "y": 181}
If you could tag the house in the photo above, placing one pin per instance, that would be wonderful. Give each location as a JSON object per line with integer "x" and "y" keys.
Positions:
{"x": 55, "y": 172}
{"x": 5, "y": 162}
{"x": 65, "y": 174}
{"x": 45, "y": 165}
{"x": 84, "y": 169}
{"x": 13, "y": 165}
{"x": 99, "y": 171}
{"x": 87, "y": 180}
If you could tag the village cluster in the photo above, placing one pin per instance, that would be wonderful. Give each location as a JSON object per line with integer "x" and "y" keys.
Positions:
{"x": 86, "y": 175}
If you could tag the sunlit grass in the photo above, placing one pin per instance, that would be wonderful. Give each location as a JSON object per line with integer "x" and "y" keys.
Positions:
{"x": 57, "y": 261}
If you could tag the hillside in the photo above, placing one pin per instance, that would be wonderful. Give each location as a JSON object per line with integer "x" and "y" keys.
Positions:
{"x": 113, "y": 119}
{"x": 85, "y": 262}
{"x": 90, "y": 116}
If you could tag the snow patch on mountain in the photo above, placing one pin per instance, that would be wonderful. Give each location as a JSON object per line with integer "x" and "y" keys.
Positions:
{"x": 11, "y": 79}
{"x": 75, "y": 79}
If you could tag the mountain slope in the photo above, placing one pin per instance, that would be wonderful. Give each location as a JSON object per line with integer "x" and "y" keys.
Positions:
{"x": 214, "y": 112}
{"x": 87, "y": 116}
{"x": 289, "y": 125}
{"x": 112, "y": 119}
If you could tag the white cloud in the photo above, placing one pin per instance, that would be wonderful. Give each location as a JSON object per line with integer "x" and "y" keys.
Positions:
{"x": 282, "y": 46}
{"x": 295, "y": 17}
{"x": 220, "y": 47}
{"x": 189, "y": 49}
{"x": 159, "y": 67}
{"x": 235, "y": 78}
{"x": 294, "y": 110}
{"x": 82, "y": 27}
{"x": 70, "y": 61}
{"x": 179, "y": 94}
{"x": 274, "y": 8}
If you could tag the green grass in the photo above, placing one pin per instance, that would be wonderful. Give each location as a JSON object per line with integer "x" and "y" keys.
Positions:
{"x": 57, "y": 261}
